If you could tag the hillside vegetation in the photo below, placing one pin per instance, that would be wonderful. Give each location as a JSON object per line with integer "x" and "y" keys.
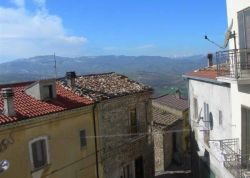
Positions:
{"x": 162, "y": 73}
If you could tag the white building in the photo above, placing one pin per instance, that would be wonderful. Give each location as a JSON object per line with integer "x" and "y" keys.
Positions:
{"x": 219, "y": 99}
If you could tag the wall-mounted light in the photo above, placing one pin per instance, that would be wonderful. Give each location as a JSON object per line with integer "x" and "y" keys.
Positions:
{"x": 4, "y": 166}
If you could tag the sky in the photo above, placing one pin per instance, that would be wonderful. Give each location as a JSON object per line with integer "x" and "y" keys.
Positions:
{"x": 110, "y": 27}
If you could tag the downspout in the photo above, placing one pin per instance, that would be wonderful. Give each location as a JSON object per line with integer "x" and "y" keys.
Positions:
{"x": 95, "y": 136}
{"x": 190, "y": 132}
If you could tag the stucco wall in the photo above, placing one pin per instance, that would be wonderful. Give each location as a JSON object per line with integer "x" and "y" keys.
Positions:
{"x": 67, "y": 159}
{"x": 218, "y": 98}
{"x": 240, "y": 97}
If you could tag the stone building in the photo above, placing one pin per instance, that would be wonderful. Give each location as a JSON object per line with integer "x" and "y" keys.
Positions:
{"x": 123, "y": 115}
{"x": 171, "y": 132}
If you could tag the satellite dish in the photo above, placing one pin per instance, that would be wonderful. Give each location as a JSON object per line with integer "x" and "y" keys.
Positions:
{"x": 4, "y": 165}
{"x": 228, "y": 34}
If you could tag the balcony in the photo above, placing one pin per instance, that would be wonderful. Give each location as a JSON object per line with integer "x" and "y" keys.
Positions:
{"x": 233, "y": 63}
{"x": 234, "y": 161}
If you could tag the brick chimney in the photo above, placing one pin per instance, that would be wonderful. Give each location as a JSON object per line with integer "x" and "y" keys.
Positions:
{"x": 210, "y": 59}
{"x": 178, "y": 94}
{"x": 70, "y": 77}
{"x": 8, "y": 102}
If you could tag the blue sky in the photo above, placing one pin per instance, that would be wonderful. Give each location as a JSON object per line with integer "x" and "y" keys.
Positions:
{"x": 103, "y": 27}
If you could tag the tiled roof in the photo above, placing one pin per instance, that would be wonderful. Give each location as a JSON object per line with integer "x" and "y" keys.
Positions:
{"x": 105, "y": 86}
{"x": 172, "y": 101}
{"x": 28, "y": 107}
{"x": 209, "y": 73}
{"x": 163, "y": 118}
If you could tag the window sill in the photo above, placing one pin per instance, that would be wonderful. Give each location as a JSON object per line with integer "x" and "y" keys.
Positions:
{"x": 40, "y": 168}
{"x": 83, "y": 148}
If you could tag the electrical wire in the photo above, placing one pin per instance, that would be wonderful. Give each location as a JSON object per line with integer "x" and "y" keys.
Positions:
{"x": 109, "y": 151}
{"x": 92, "y": 154}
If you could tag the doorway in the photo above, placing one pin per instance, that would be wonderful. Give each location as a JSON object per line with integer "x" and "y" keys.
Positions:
{"x": 245, "y": 136}
{"x": 139, "y": 168}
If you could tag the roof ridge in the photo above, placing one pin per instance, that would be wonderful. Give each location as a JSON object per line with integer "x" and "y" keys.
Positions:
{"x": 161, "y": 96}
{"x": 96, "y": 74}
{"x": 16, "y": 84}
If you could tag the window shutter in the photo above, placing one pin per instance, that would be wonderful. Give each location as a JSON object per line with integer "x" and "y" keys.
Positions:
{"x": 83, "y": 140}
{"x": 241, "y": 26}
{"x": 247, "y": 26}
{"x": 39, "y": 153}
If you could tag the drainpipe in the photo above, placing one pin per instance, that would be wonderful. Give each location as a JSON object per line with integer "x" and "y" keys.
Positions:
{"x": 190, "y": 132}
{"x": 95, "y": 136}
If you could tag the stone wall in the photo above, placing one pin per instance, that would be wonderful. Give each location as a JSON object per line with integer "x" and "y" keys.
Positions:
{"x": 118, "y": 147}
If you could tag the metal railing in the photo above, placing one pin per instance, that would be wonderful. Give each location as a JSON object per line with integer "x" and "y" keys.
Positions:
{"x": 233, "y": 63}
{"x": 235, "y": 162}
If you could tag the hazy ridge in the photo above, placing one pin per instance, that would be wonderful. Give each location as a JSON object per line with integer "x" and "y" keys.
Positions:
{"x": 162, "y": 73}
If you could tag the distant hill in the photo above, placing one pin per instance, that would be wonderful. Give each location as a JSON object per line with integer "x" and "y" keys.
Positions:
{"x": 162, "y": 73}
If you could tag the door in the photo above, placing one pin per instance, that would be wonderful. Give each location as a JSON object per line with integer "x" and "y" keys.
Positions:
{"x": 245, "y": 142}
{"x": 139, "y": 170}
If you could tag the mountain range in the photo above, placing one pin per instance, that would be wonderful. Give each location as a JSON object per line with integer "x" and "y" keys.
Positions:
{"x": 162, "y": 73}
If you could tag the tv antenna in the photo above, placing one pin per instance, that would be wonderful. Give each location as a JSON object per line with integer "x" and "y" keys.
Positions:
{"x": 216, "y": 44}
{"x": 55, "y": 66}
{"x": 229, "y": 35}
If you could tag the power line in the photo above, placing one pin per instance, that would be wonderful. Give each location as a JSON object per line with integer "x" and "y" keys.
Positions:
{"x": 110, "y": 150}
{"x": 131, "y": 134}
{"x": 92, "y": 154}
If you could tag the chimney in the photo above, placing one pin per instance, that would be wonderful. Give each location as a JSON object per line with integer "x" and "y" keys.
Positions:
{"x": 70, "y": 77}
{"x": 8, "y": 107}
{"x": 178, "y": 94}
{"x": 210, "y": 59}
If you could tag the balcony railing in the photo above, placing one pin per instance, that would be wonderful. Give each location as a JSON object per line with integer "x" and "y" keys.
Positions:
{"x": 235, "y": 162}
{"x": 233, "y": 63}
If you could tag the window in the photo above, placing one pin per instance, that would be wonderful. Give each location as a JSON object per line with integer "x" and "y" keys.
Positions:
{"x": 244, "y": 37}
{"x": 195, "y": 108}
{"x": 206, "y": 121}
{"x": 133, "y": 121}
{"x": 39, "y": 152}
{"x": 48, "y": 91}
{"x": 220, "y": 117}
{"x": 206, "y": 115}
{"x": 244, "y": 28}
{"x": 83, "y": 140}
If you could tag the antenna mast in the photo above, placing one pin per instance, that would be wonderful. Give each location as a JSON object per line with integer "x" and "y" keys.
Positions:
{"x": 55, "y": 66}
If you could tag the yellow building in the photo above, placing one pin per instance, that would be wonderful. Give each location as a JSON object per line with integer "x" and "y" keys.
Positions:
{"x": 46, "y": 131}
{"x": 76, "y": 127}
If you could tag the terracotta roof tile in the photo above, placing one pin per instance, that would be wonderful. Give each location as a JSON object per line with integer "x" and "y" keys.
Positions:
{"x": 105, "y": 86}
{"x": 210, "y": 74}
{"x": 28, "y": 107}
{"x": 163, "y": 118}
{"x": 172, "y": 101}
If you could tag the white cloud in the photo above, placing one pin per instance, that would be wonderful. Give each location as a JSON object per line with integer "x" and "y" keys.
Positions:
{"x": 24, "y": 33}
{"x": 136, "y": 49}
{"x": 146, "y": 46}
